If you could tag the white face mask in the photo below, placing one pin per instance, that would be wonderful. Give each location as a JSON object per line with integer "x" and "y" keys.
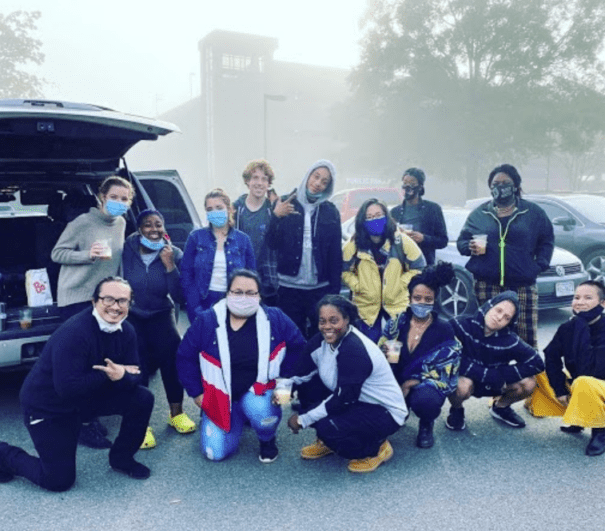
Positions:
{"x": 242, "y": 306}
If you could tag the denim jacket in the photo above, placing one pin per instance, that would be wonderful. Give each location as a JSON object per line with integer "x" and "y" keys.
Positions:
{"x": 198, "y": 261}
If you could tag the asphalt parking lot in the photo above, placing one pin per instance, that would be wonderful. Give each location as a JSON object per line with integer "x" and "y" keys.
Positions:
{"x": 488, "y": 477}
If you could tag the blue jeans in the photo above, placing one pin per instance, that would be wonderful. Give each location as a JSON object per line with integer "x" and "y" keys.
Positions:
{"x": 217, "y": 444}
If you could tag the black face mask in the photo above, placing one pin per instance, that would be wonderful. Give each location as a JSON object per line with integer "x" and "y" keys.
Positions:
{"x": 410, "y": 191}
{"x": 503, "y": 194}
{"x": 590, "y": 314}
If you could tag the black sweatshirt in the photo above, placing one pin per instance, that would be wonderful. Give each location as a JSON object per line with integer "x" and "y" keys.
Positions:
{"x": 63, "y": 380}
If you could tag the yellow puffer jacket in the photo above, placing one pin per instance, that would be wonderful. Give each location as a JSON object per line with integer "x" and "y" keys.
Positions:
{"x": 361, "y": 274}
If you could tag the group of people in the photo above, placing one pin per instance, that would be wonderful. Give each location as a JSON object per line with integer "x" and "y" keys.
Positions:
{"x": 262, "y": 284}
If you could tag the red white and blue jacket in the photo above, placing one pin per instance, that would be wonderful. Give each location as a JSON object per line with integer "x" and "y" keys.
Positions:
{"x": 204, "y": 359}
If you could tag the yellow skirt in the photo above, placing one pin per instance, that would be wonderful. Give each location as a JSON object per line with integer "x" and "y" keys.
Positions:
{"x": 587, "y": 403}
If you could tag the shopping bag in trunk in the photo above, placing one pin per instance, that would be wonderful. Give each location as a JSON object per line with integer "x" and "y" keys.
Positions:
{"x": 37, "y": 288}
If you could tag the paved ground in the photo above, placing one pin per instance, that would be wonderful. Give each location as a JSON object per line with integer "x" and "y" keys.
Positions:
{"x": 489, "y": 477}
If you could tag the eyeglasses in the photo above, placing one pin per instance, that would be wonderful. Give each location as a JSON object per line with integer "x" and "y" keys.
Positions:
{"x": 240, "y": 293}
{"x": 110, "y": 301}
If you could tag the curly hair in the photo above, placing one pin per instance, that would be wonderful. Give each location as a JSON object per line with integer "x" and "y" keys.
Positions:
{"x": 257, "y": 164}
{"x": 509, "y": 170}
{"x": 433, "y": 277}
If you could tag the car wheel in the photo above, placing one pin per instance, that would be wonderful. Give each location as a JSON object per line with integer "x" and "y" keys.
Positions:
{"x": 458, "y": 297}
{"x": 595, "y": 264}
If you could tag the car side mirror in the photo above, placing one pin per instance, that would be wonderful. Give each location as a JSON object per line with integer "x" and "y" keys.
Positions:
{"x": 567, "y": 223}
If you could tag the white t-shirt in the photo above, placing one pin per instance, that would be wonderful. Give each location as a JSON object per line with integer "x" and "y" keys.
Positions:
{"x": 218, "y": 281}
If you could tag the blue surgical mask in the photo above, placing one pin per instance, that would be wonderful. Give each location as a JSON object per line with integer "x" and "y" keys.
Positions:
{"x": 116, "y": 208}
{"x": 420, "y": 310}
{"x": 376, "y": 226}
{"x": 217, "y": 218}
{"x": 153, "y": 246}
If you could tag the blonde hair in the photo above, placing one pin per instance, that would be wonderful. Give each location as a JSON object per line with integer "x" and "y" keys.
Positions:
{"x": 115, "y": 180}
{"x": 219, "y": 193}
{"x": 257, "y": 164}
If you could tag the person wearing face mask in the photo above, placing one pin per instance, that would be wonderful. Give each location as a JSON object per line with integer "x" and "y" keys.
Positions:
{"x": 306, "y": 233}
{"x": 88, "y": 367}
{"x": 520, "y": 243}
{"x": 229, "y": 361}
{"x": 211, "y": 254}
{"x": 427, "y": 368}
{"x": 425, "y": 217}
{"x": 378, "y": 263}
{"x": 151, "y": 264}
{"x": 494, "y": 362}
{"x": 575, "y": 366}
{"x": 90, "y": 249}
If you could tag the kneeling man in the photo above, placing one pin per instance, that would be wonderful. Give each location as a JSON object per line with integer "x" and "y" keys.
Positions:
{"x": 88, "y": 368}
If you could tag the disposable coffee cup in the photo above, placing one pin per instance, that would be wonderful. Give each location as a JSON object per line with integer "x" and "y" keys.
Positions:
{"x": 480, "y": 241}
{"x": 106, "y": 251}
{"x": 283, "y": 392}
{"x": 25, "y": 318}
{"x": 406, "y": 227}
{"x": 393, "y": 350}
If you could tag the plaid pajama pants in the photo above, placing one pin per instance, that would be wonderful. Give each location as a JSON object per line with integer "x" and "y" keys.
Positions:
{"x": 527, "y": 320}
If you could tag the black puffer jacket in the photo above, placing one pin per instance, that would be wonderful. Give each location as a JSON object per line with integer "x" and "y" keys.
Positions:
{"x": 528, "y": 244}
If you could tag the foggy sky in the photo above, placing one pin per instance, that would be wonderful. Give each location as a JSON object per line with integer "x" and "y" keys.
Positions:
{"x": 126, "y": 55}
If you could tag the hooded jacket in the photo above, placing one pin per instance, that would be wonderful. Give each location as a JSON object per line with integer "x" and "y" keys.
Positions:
{"x": 500, "y": 358}
{"x": 517, "y": 252}
{"x": 320, "y": 263}
{"x": 154, "y": 289}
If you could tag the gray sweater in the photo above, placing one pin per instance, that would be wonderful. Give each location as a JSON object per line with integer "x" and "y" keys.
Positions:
{"x": 79, "y": 273}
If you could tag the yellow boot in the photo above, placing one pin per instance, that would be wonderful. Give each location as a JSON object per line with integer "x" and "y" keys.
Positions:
{"x": 369, "y": 464}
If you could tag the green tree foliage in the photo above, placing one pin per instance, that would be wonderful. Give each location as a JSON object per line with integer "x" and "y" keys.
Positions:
{"x": 18, "y": 49}
{"x": 460, "y": 86}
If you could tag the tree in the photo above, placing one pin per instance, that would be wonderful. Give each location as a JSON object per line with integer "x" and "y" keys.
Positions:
{"x": 18, "y": 49}
{"x": 463, "y": 85}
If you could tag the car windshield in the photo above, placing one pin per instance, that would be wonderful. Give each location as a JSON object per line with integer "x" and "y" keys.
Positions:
{"x": 591, "y": 206}
{"x": 454, "y": 221}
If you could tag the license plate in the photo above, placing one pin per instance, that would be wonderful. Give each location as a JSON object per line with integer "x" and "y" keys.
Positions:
{"x": 564, "y": 289}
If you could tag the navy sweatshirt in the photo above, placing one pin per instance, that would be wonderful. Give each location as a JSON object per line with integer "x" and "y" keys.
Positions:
{"x": 63, "y": 381}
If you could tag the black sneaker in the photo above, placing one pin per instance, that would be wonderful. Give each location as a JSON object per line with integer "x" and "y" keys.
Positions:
{"x": 268, "y": 451}
{"x": 425, "y": 437}
{"x": 93, "y": 438}
{"x": 131, "y": 468}
{"x": 455, "y": 420}
{"x": 5, "y": 474}
{"x": 571, "y": 429}
{"x": 507, "y": 415}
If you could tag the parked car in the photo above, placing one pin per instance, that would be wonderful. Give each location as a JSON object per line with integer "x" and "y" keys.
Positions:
{"x": 556, "y": 285}
{"x": 349, "y": 201}
{"x": 579, "y": 226}
{"x": 53, "y": 156}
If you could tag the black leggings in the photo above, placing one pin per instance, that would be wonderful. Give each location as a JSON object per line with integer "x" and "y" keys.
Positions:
{"x": 158, "y": 340}
{"x": 56, "y": 439}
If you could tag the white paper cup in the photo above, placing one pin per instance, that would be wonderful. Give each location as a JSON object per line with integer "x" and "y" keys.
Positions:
{"x": 106, "y": 252}
{"x": 393, "y": 350}
{"x": 283, "y": 392}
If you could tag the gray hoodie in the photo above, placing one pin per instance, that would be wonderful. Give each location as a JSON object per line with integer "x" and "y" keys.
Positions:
{"x": 307, "y": 274}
